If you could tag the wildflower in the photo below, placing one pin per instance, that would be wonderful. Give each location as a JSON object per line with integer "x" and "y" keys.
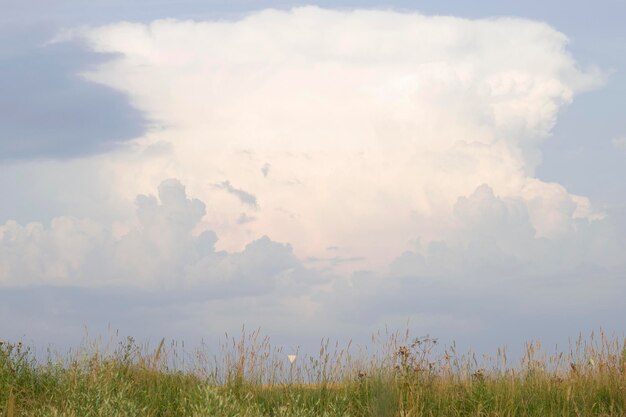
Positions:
{"x": 403, "y": 351}
{"x": 478, "y": 376}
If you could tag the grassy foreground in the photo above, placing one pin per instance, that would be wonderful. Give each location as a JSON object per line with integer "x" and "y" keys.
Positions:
{"x": 250, "y": 378}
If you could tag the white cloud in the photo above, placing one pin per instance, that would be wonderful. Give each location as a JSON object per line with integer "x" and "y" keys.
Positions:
{"x": 159, "y": 252}
{"x": 33, "y": 254}
{"x": 374, "y": 123}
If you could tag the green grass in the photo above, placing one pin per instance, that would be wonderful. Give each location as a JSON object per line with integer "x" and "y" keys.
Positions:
{"x": 250, "y": 378}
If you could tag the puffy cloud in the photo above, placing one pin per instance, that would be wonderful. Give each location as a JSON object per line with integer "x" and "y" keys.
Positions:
{"x": 374, "y": 123}
{"x": 160, "y": 275}
{"x": 152, "y": 277}
{"x": 497, "y": 233}
{"x": 33, "y": 254}
{"x": 159, "y": 251}
{"x": 494, "y": 276}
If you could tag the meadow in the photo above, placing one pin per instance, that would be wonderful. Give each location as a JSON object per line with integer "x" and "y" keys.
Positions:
{"x": 247, "y": 376}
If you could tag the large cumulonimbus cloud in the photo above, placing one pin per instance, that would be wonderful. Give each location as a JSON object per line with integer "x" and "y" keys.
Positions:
{"x": 394, "y": 152}
{"x": 374, "y": 122}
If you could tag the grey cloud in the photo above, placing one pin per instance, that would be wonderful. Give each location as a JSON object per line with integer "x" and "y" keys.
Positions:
{"x": 480, "y": 288}
{"x": 265, "y": 169}
{"x": 494, "y": 277}
{"x": 49, "y": 111}
{"x": 258, "y": 269}
{"x": 488, "y": 220}
{"x": 335, "y": 260}
{"x": 496, "y": 242}
{"x": 61, "y": 316}
{"x": 508, "y": 311}
{"x": 243, "y": 196}
{"x": 158, "y": 280}
{"x": 161, "y": 252}
{"x": 244, "y": 218}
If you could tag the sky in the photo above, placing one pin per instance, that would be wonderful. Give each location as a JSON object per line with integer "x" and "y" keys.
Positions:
{"x": 180, "y": 169}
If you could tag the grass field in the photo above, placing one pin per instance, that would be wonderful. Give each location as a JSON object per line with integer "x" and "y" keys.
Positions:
{"x": 248, "y": 377}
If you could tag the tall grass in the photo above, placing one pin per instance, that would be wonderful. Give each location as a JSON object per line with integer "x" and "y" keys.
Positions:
{"x": 250, "y": 377}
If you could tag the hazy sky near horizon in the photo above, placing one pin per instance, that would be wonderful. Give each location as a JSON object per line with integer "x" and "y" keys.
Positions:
{"x": 178, "y": 169}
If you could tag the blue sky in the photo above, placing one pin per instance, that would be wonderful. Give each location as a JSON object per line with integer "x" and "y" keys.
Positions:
{"x": 130, "y": 153}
